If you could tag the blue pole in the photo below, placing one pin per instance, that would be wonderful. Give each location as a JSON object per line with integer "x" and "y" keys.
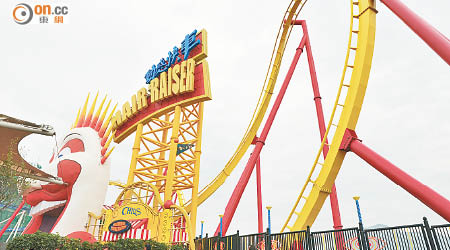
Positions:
{"x": 358, "y": 209}
{"x": 220, "y": 225}
{"x": 365, "y": 240}
{"x": 268, "y": 215}
{"x": 201, "y": 231}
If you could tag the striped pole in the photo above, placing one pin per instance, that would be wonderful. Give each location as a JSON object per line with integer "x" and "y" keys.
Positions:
{"x": 356, "y": 198}
{"x": 221, "y": 217}
{"x": 268, "y": 218}
{"x": 201, "y": 231}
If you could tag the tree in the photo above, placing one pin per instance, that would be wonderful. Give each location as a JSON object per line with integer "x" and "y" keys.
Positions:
{"x": 11, "y": 184}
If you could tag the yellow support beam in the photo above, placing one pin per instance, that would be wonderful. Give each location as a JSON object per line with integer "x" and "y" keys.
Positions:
{"x": 135, "y": 153}
{"x": 348, "y": 119}
{"x": 172, "y": 155}
{"x": 198, "y": 152}
{"x": 166, "y": 215}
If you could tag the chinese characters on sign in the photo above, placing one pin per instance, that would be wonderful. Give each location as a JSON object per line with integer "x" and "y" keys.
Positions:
{"x": 181, "y": 78}
{"x": 187, "y": 45}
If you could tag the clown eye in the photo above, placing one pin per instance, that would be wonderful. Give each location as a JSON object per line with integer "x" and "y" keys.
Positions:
{"x": 74, "y": 145}
{"x": 64, "y": 152}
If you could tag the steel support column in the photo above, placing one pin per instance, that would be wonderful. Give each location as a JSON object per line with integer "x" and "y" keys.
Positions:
{"x": 436, "y": 40}
{"x": 232, "y": 204}
{"x": 425, "y": 194}
{"x": 258, "y": 196}
{"x": 337, "y": 224}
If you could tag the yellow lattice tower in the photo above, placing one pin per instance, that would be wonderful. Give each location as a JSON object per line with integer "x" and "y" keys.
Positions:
{"x": 155, "y": 159}
{"x": 166, "y": 117}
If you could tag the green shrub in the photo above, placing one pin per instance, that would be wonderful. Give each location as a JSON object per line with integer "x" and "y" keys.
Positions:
{"x": 46, "y": 241}
{"x": 178, "y": 247}
{"x": 153, "y": 245}
{"x": 69, "y": 244}
{"x": 37, "y": 240}
{"x": 131, "y": 244}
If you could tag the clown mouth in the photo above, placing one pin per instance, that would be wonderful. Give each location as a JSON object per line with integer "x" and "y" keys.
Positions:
{"x": 46, "y": 206}
{"x": 50, "y": 201}
{"x": 47, "y": 213}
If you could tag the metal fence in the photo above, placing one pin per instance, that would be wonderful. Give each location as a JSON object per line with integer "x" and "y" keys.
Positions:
{"x": 441, "y": 235}
{"x": 252, "y": 241}
{"x": 410, "y": 237}
{"x": 336, "y": 239}
{"x": 218, "y": 243}
{"x": 288, "y": 241}
{"x": 404, "y": 237}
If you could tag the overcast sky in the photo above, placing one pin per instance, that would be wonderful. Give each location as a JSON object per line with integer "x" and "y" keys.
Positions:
{"x": 46, "y": 71}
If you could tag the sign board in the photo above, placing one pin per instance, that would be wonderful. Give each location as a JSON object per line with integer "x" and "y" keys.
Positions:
{"x": 119, "y": 226}
{"x": 180, "y": 79}
{"x": 132, "y": 211}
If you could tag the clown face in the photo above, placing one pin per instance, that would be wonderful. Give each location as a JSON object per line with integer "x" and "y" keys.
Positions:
{"x": 81, "y": 165}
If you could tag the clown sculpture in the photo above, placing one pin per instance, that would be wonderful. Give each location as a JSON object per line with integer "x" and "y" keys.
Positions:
{"x": 81, "y": 161}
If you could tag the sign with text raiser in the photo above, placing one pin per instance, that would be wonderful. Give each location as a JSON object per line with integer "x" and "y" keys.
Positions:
{"x": 180, "y": 79}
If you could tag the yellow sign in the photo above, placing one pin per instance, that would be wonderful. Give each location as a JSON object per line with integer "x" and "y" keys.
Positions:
{"x": 138, "y": 102}
{"x": 132, "y": 211}
{"x": 177, "y": 80}
{"x": 180, "y": 80}
{"x": 166, "y": 224}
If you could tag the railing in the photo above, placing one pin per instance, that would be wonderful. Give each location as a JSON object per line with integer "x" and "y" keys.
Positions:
{"x": 288, "y": 241}
{"x": 409, "y": 237}
{"x": 218, "y": 243}
{"x": 441, "y": 235}
{"x": 403, "y": 237}
{"x": 95, "y": 225}
{"x": 251, "y": 241}
{"x": 336, "y": 239}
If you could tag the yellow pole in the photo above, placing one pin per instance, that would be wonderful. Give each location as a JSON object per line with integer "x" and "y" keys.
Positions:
{"x": 165, "y": 216}
{"x": 162, "y": 156}
{"x": 134, "y": 155}
{"x": 198, "y": 151}
{"x": 135, "y": 152}
{"x": 172, "y": 155}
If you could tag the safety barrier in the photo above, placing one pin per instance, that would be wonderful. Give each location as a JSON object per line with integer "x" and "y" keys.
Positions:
{"x": 336, "y": 239}
{"x": 288, "y": 241}
{"x": 403, "y": 237}
{"x": 441, "y": 235}
{"x": 409, "y": 237}
{"x": 216, "y": 243}
{"x": 251, "y": 241}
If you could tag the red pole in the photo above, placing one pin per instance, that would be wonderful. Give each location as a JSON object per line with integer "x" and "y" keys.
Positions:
{"x": 230, "y": 209}
{"x": 426, "y": 195}
{"x": 258, "y": 194}
{"x": 436, "y": 40}
{"x": 337, "y": 224}
{"x": 13, "y": 216}
{"x": 317, "y": 100}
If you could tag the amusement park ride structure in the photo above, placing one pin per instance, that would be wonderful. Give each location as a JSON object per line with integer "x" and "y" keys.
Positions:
{"x": 340, "y": 129}
{"x": 167, "y": 127}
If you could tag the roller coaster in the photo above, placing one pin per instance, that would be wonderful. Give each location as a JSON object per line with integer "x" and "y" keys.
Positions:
{"x": 341, "y": 124}
{"x": 170, "y": 165}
